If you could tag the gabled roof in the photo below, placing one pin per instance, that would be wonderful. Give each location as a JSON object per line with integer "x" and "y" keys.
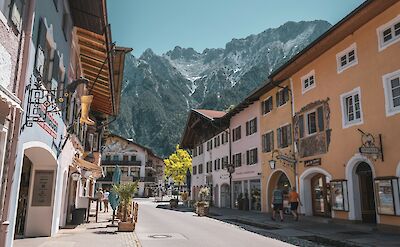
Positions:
{"x": 149, "y": 151}
{"x": 201, "y": 125}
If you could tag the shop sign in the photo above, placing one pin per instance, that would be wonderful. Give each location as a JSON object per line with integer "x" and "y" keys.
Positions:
{"x": 43, "y": 188}
{"x": 368, "y": 146}
{"x": 224, "y": 176}
{"x": 49, "y": 124}
{"x": 286, "y": 159}
{"x": 313, "y": 162}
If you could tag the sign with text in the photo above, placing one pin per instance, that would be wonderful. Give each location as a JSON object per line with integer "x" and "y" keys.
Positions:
{"x": 313, "y": 162}
{"x": 42, "y": 188}
{"x": 285, "y": 158}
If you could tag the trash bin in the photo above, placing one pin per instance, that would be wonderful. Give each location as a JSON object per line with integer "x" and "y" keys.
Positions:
{"x": 78, "y": 216}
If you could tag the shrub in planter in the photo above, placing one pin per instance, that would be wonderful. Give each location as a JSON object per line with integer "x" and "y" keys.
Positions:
{"x": 173, "y": 203}
{"x": 125, "y": 193}
{"x": 202, "y": 207}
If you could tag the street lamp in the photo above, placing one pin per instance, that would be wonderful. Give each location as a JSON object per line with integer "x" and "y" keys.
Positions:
{"x": 231, "y": 169}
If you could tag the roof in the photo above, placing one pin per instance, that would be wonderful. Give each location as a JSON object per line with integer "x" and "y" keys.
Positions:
{"x": 345, "y": 27}
{"x": 149, "y": 151}
{"x": 211, "y": 114}
{"x": 200, "y": 120}
{"x": 102, "y": 62}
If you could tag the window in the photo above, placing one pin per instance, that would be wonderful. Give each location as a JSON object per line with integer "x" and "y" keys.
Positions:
{"x": 195, "y": 152}
{"x": 346, "y": 58}
{"x": 311, "y": 123}
{"x": 237, "y": 159}
{"x": 215, "y": 165}
{"x": 125, "y": 158}
{"x": 201, "y": 149}
{"x": 351, "y": 108}
{"x": 224, "y": 137}
{"x": 237, "y": 133}
{"x": 282, "y": 96}
{"x": 224, "y": 162}
{"x": 209, "y": 167}
{"x": 251, "y": 156}
{"x": 133, "y": 157}
{"x": 90, "y": 140}
{"x": 96, "y": 142}
{"x": 266, "y": 106}
{"x": 194, "y": 170}
{"x": 217, "y": 141}
{"x": 389, "y": 33}
{"x": 391, "y": 85}
{"x": 108, "y": 157}
{"x": 219, "y": 164}
{"x": 314, "y": 122}
{"x": 308, "y": 82}
{"x": 251, "y": 127}
{"x": 200, "y": 168}
{"x": 284, "y": 136}
{"x": 209, "y": 145}
{"x": 268, "y": 142}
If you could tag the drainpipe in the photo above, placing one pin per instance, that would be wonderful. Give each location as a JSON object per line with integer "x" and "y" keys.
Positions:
{"x": 26, "y": 34}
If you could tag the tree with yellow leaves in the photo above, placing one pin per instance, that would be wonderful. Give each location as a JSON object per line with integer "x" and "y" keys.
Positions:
{"x": 177, "y": 165}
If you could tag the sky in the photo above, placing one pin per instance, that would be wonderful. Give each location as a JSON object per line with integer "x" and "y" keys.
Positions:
{"x": 163, "y": 24}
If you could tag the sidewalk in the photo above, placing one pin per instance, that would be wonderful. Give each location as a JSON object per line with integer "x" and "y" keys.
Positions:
{"x": 89, "y": 235}
{"x": 313, "y": 230}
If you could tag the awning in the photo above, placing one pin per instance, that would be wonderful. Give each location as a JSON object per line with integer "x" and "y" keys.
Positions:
{"x": 10, "y": 98}
{"x": 95, "y": 169}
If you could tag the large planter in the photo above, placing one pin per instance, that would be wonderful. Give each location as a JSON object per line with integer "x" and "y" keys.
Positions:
{"x": 202, "y": 210}
{"x": 126, "y": 227}
{"x": 173, "y": 203}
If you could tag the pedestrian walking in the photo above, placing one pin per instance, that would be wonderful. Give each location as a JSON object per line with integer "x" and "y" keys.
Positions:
{"x": 294, "y": 201}
{"x": 99, "y": 196}
{"x": 105, "y": 200}
{"x": 277, "y": 203}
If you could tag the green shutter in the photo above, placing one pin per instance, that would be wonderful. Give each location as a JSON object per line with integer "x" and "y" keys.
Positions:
{"x": 301, "y": 126}
{"x": 320, "y": 112}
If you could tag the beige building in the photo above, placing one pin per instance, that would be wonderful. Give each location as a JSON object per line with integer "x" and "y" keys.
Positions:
{"x": 346, "y": 90}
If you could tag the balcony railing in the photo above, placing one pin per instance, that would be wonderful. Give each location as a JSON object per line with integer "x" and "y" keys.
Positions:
{"x": 122, "y": 162}
{"x": 148, "y": 179}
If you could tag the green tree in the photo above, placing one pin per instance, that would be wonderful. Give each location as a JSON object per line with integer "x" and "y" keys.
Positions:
{"x": 177, "y": 164}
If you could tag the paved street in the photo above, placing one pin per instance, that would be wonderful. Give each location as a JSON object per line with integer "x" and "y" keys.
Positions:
{"x": 88, "y": 235}
{"x": 164, "y": 227}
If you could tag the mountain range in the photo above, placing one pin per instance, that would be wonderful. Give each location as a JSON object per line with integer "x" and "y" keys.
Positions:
{"x": 159, "y": 90}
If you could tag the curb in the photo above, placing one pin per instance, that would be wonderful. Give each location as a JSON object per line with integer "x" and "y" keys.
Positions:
{"x": 136, "y": 239}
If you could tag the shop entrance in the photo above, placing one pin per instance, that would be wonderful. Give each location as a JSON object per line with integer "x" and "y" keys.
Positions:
{"x": 23, "y": 198}
{"x": 367, "y": 199}
{"x": 225, "y": 196}
{"x": 280, "y": 180}
{"x": 216, "y": 196}
{"x": 320, "y": 191}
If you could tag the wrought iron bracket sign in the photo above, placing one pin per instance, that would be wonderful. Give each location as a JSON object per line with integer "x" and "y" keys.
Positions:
{"x": 368, "y": 146}
{"x": 42, "y": 104}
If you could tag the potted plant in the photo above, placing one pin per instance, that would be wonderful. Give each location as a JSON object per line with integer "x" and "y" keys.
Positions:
{"x": 125, "y": 193}
{"x": 202, "y": 206}
{"x": 185, "y": 198}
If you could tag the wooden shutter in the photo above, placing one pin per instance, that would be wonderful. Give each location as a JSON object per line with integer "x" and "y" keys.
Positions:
{"x": 270, "y": 103}
{"x": 255, "y": 156}
{"x": 271, "y": 136}
{"x": 56, "y": 67}
{"x": 277, "y": 99}
{"x": 279, "y": 136}
{"x": 255, "y": 125}
{"x": 247, "y": 157}
{"x": 320, "y": 112}
{"x": 286, "y": 94}
{"x": 301, "y": 126}
{"x": 289, "y": 134}
{"x": 247, "y": 128}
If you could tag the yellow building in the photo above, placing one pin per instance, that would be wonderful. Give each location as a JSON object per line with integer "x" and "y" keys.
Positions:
{"x": 346, "y": 104}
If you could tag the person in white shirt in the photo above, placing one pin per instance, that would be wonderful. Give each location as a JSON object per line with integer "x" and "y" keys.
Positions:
{"x": 105, "y": 200}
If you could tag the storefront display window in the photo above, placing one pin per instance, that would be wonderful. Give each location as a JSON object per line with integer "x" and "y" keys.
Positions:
{"x": 255, "y": 196}
{"x": 237, "y": 193}
{"x": 339, "y": 195}
{"x": 384, "y": 191}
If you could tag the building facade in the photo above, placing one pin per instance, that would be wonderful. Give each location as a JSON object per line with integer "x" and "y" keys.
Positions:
{"x": 58, "y": 151}
{"x": 137, "y": 163}
{"x": 346, "y": 100}
{"x": 326, "y": 123}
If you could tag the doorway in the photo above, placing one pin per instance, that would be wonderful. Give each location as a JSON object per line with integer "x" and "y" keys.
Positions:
{"x": 23, "y": 197}
{"x": 320, "y": 191}
{"x": 367, "y": 198}
{"x": 225, "y": 196}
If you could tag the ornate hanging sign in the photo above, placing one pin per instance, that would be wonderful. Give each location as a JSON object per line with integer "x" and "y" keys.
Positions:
{"x": 369, "y": 147}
